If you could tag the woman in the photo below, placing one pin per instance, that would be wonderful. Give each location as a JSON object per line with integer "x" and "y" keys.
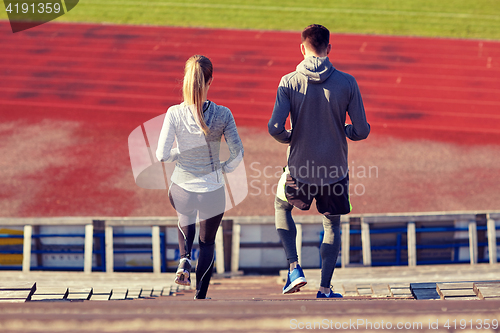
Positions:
{"x": 197, "y": 186}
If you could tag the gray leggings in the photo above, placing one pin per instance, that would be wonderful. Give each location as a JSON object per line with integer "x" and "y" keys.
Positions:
{"x": 329, "y": 249}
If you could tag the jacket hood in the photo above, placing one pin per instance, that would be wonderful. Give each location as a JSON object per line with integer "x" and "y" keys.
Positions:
{"x": 316, "y": 69}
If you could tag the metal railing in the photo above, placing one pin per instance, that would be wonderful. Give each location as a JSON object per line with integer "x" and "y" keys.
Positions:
{"x": 232, "y": 253}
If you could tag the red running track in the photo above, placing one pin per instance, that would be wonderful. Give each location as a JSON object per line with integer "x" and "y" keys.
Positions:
{"x": 411, "y": 86}
{"x": 113, "y": 78}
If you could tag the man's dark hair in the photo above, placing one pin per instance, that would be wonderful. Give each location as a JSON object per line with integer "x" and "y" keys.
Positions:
{"x": 317, "y": 36}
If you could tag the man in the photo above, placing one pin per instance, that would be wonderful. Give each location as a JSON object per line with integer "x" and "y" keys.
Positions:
{"x": 317, "y": 97}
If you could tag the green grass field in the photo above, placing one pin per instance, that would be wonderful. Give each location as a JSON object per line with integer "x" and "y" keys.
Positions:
{"x": 449, "y": 18}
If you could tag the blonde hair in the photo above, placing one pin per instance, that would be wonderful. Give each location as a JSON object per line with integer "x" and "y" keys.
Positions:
{"x": 197, "y": 73}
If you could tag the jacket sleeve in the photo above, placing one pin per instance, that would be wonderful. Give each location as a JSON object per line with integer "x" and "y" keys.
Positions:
{"x": 165, "y": 152}
{"x": 360, "y": 128}
{"x": 234, "y": 143}
{"x": 276, "y": 125}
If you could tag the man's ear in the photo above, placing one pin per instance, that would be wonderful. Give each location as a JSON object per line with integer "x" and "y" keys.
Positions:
{"x": 303, "y": 49}
{"x": 328, "y": 49}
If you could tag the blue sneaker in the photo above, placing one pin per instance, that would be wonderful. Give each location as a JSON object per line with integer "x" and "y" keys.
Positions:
{"x": 330, "y": 295}
{"x": 295, "y": 281}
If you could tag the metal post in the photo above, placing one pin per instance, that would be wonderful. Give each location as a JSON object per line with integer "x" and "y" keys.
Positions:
{"x": 235, "y": 248}
{"x": 366, "y": 243}
{"x": 219, "y": 251}
{"x": 346, "y": 244}
{"x": 492, "y": 240}
{"x": 473, "y": 242}
{"x": 28, "y": 231}
{"x": 155, "y": 240}
{"x": 412, "y": 244}
{"x": 89, "y": 248}
{"x": 108, "y": 234}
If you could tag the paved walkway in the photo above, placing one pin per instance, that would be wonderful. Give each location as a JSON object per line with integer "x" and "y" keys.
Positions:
{"x": 251, "y": 303}
{"x": 405, "y": 275}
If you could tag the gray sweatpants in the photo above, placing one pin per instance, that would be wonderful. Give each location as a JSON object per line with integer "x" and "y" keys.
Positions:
{"x": 329, "y": 249}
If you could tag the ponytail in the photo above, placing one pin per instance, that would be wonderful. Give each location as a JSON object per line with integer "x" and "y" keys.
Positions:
{"x": 197, "y": 73}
